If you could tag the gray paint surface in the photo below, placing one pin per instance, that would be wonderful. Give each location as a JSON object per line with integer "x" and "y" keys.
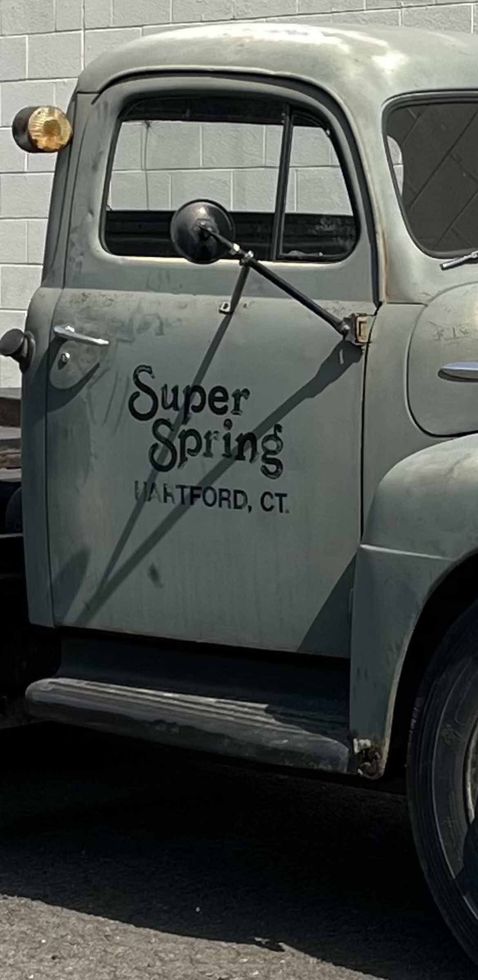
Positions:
{"x": 445, "y": 332}
{"x": 154, "y": 566}
{"x": 142, "y": 565}
{"x": 283, "y": 582}
{"x": 40, "y": 41}
{"x": 388, "y": 62}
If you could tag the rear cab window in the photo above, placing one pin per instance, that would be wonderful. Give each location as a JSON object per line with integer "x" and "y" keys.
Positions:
{"x": 432, "y": 151}
{"x": 275, "y": 168}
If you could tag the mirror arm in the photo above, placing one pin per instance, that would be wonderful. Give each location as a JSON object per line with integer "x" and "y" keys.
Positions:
{"x": 348, "y": 328}
{"x": 339, "y": 325}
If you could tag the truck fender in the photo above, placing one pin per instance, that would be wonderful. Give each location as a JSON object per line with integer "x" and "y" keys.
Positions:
{"x": 423, "y": 522}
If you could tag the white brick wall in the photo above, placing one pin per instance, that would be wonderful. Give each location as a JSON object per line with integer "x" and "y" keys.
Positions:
{"x": 164, "y": 164}
{"x": 45, "y": 43}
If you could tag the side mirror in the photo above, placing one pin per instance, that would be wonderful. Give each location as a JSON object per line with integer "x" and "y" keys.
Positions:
{"x": 191, "y": 228}
{"x": 203, "y": 232}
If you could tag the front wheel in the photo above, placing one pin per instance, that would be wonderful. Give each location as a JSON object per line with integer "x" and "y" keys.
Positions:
{"x": 443, "y": 779}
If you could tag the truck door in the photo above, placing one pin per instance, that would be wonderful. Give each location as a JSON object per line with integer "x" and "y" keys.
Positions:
{"x": 204, "y": 469}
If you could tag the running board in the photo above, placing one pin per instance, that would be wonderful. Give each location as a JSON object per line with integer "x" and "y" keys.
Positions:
{"x": 273, "y": 733}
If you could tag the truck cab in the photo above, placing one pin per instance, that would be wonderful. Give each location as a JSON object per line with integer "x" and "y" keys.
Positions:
{"x": 250, "y": 416}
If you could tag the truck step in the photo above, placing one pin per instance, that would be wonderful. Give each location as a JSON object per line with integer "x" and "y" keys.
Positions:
{"x": 275, "y": 732}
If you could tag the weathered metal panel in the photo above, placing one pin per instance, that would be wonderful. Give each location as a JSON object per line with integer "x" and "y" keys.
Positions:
{"x": 253, "y": 557}
{"x": 362, "y": 71}
{"x": 130, "y": 549}
{"x": 361, "y": 68}
{"x": 34, "y": 473}
{"x": 446, "y": 333}
{"x": 390, "y": 432}
{"x": 423, "y": 522}
{"x": 137, "y": 553}
{"x": 391, "y": 589}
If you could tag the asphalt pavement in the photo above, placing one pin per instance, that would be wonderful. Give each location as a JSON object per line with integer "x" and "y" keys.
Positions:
{"x": 123, "y": 861}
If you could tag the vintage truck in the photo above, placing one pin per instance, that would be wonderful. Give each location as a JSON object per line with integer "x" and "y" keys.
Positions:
{"x": 250, "y": 414}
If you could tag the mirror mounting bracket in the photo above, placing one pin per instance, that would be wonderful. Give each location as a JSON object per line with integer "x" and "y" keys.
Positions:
{"x": 203, "y": 232}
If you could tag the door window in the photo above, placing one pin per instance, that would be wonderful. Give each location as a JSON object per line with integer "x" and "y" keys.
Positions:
{"x": 319, "y": 222}
{"x": 276, "y": 170}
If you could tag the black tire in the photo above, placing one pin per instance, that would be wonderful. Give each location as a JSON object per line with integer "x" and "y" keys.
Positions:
{"x": 443, "y": 779}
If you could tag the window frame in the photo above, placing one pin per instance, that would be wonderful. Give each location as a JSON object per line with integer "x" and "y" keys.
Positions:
{"x": 282, "y": 256}
{"x": 402, "y": 102}
{"x": 357, "y": 280}
{"x": 291, "y": 108}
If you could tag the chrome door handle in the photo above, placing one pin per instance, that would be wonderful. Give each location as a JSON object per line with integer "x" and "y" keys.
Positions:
{"x": 69, "y": 333}
{"x": 461, "y": 370}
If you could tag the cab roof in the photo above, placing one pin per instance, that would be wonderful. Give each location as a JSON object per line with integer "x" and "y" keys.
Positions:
{"x": 356, "y": 66}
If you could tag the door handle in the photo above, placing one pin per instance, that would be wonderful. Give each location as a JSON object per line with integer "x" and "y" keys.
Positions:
{"x": 462, "y": 371}
{"x": 69, "y": 333}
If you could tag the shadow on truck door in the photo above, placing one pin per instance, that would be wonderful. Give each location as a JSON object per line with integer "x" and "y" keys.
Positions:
{"x": 338, "y": 361}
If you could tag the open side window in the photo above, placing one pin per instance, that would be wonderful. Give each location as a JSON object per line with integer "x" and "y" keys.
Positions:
{"x": 275, "y": 168}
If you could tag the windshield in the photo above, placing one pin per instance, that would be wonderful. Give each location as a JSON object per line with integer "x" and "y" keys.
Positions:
{"x": 433, "y": 149}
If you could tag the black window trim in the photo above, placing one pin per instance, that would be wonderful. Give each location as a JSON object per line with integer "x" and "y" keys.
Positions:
{"x": 292, "y": 106}
{"x": 422, "y": 98}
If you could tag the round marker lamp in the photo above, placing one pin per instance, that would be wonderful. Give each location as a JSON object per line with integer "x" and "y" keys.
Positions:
{"x": 41, "y": 129}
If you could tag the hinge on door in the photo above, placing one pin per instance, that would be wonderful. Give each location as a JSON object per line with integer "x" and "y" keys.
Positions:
{"x": 359, "y": 325}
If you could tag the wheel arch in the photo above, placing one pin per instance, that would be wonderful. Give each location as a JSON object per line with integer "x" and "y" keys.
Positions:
{"x": 452, "y": 596}
{"x": 416, "y": 571}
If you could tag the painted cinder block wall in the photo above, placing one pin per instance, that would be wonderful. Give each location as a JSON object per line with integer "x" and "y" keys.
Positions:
{"x": 44, "y": 44}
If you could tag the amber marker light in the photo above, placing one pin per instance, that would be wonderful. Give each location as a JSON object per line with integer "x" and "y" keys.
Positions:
{"x": 41, "y": 129}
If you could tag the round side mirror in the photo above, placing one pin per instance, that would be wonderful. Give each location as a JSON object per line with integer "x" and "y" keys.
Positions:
{"x": 189, "y": 231}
